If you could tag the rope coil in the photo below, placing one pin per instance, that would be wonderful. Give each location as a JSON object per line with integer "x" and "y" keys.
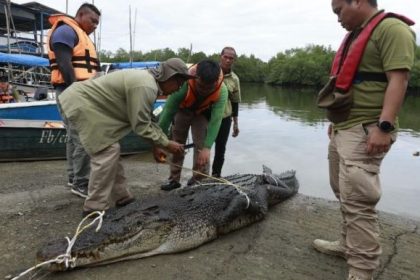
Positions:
{"x": 66, "y": 258}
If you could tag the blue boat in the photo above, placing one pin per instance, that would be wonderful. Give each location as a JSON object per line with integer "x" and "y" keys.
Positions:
{"x": 33, "y": 140}
{"x": 28, "y": 74}
{"x": 42, "y": 110}
{"x": 34, "y": 130}
{"x": 134, "y": 64}
{"x": 46, "y": 109}
{"x": 39, "y": 110}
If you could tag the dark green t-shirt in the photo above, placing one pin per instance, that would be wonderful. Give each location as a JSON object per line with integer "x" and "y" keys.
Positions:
{"x": 390, "y": 47}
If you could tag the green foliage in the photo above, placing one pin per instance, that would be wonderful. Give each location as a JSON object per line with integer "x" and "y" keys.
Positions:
{"x": 307, "y": 66}
{"x": 249, "y": 69}
{"x": 414, "y": 82}
{"x": 415, "y": 75}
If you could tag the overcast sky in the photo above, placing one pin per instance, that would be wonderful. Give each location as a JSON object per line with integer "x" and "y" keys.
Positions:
{"x": 259, "y": 27}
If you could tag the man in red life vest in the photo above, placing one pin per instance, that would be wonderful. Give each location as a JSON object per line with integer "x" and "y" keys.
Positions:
{"x": 372, "y": 65}
{"x": 199, "y": 104}
{"x": 73, "y": 58}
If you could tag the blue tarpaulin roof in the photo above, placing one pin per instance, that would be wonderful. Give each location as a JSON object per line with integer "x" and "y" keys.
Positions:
{"x": 23, "y": 59}
{"x": 136, "y": 64}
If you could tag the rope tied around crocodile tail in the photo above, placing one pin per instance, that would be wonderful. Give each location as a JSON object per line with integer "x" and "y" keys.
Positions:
{"x": 66, "y": 258}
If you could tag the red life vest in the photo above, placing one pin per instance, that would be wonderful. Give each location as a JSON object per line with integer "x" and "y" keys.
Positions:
{"x": 190, "y": 100}
{"x": 345, "y": 65}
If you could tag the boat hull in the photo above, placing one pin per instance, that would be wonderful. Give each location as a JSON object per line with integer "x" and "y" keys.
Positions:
{"x": 36, "y": 110}
{"x": 23, "y": 140}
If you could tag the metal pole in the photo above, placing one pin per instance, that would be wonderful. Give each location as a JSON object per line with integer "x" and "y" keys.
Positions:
{"x": 94, "y": 32}
{"x": 7, "y": 28}
{"x": 131, "y": 40}
{"x": 134, "y": 32}
{"x": 98, "y": 47}
{"x": 42, "y": 34}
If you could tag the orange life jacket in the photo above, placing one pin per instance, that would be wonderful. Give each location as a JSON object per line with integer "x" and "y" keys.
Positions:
{"x": 84, "y": 59}
{"x": 349, "y": 55}
{"x": 190, "y": 101}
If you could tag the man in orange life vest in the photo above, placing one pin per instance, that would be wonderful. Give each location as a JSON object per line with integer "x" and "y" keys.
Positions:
{"x": 73, "y": 58}
{"x": 372, "y": 66}
{"x": 198, "y": 104}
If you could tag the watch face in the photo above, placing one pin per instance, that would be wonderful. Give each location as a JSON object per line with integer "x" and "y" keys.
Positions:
{"x": 385, "y": 125}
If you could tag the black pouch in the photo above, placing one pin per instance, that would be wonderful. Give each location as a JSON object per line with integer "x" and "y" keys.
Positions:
{"x": 337, "y": 104}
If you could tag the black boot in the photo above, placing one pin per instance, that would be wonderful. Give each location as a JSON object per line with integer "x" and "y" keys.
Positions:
{"x": 171, "y": 185}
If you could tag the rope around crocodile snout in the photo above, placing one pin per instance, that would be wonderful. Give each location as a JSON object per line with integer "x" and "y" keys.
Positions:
{"x": 66, "y": 258}
{"x": 222, "y": 180}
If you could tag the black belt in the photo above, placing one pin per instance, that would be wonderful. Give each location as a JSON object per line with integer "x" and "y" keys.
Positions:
{"x": 370, "y": 76}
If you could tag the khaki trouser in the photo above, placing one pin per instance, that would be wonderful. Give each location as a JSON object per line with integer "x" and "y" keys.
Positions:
{"x": 354, "y": 178}
{"x": 185, "y": 119}
{"x": 106, "y": 179}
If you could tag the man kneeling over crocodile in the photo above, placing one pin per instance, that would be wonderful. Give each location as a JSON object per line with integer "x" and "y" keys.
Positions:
{"x": 105, "y": 109}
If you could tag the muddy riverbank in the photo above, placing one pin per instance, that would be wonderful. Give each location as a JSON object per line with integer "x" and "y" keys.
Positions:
{"x": 36, "y": 207}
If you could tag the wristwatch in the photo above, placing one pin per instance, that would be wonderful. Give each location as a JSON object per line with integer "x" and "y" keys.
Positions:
{"x": 385, "y": 126}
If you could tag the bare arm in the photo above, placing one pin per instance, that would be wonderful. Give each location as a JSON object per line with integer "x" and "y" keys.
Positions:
{"x": 394, "y": 94}
{"x": 378, "y": 141}
{"x": 63, "y": 54}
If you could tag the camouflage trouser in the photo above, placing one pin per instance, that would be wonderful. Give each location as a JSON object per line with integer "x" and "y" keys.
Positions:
{"x": 78, "y": 162}
{"x": 354, "y": 178}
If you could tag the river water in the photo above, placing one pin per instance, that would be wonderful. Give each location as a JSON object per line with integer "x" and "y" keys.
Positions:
{"x": 283, "y": 129}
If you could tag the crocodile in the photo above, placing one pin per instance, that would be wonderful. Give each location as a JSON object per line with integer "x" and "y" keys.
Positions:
{"x": 177, "y": 221}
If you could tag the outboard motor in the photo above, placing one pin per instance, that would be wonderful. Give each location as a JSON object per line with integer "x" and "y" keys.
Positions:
{"x": 41, "y": 93}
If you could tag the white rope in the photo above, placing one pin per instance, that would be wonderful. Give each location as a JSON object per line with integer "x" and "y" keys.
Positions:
{"x": 222, "y": 180}
{"x": 66, "y": 258}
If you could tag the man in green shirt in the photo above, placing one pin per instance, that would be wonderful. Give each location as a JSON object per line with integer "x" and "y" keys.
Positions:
{"x": 198, "y": 105}
{"x": 103, "y": 110}
{"x": 360, "y": 141}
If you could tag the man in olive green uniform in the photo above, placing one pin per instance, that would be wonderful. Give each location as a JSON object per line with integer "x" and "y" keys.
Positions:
{"x": 105, "y": 109}
{"x": 231, "y": 80}
{"x": 359, "y": 143}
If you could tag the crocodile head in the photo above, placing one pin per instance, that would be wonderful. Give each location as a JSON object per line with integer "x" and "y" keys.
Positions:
{"x": 129, "y": 233}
